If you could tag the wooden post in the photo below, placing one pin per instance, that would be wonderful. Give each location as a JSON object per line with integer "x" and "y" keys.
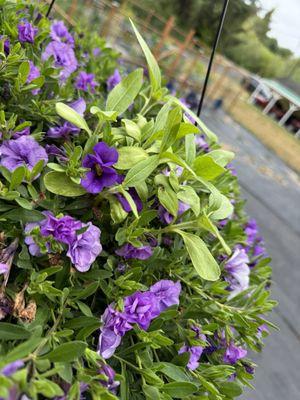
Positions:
{"x": 72, "y": 8}
{"x": 181, "y": 49}
{"x": 107, "y": 24}
{"x": 165, "y": 34}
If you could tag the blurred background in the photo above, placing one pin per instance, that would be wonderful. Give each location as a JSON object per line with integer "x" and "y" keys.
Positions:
{"x": 253, "y": 105}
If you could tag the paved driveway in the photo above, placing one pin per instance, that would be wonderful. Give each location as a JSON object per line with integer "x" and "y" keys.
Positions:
{"x": 272, "y": 191}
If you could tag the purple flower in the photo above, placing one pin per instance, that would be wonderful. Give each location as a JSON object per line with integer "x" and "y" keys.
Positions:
{"x": 234, "y": 353}
{"x": 195, "y": 354}
{"x": 11, "y": 368}
{"x": 27, "y": 32}
{"x": 22, "y": 151}
{"x": 113, "y": 80}
{"x": 140, "y": 253}
{"x": 64, "y": 58}
{"x": 24, "y": 132}
{"x": 201, "y": 143}
{"x": 34, "y": 73}
{"x": 101, "y": 173}
{"x": 85, "y": 248}
{"x": 96, "y": 51}
{"x": 6, "y": 45}
{"x": 4, "y": 268}
{"x": 115, "y": 325}
{"x": 110, "y": 383}
{"x": 251, "y": 230}
{"x": 33, "y": 248}
{"x": 135, "y": 197}
{"x": 166, "y": 292}
{"x": 168, "y": 218}
{"x": 63, "y": 131}
{"x": 185, "y": 103}
{"x": 239, "y": 271}
{"x": 86, "y": 82}
{"x": 62, "y": 229}
{"x": 141, "y": 308}
{"x": 58, "y": 152}
{"x": 67, "y": 129}
{"x": 60, "y": 33}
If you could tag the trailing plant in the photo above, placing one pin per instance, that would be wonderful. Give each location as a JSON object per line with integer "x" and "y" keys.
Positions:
{"x": 129, "y": 268}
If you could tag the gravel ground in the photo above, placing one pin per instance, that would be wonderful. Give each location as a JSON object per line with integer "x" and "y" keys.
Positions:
{"x": 272, "y": 191}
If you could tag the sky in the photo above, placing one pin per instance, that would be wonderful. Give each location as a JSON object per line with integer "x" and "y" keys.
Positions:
{"x": 285, "y": 26}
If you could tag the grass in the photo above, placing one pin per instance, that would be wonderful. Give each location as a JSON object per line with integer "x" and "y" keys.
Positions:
{"x": 276, "y": 138}
{"x": 267, "y": 130}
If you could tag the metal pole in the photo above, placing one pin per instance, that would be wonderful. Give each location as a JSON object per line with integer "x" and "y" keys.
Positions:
{"x": 50, "y": 8}
{"x": 217, "y": 37}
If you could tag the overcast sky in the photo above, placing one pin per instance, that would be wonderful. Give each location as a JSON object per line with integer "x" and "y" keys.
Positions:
{"x": 286, "y": 22}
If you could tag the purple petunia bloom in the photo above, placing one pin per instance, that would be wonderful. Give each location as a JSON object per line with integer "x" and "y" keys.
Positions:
{"x": 96, "y": 52}
{"x": 62, "y": 229}
{"x": 34, "y": 73}
{"x": 140, "y": 253}
{"x": 22, "y": 151}
{"x": 201, "y": 143}
{"x": 26, "y": 32}
{"x": 86, "y": 82}
{"x": 11, "y": 368}
{"x": 24, "y": 132}
{"x": 133, "y": 193}
{"x": 234, "y": 353}
{"x": 64, "y": 58}
{"x": 101, "y": 173}
{"x": 239, "y": 271}
{"x": 113, "y": 80}
{"x": 67, "y": 129}
{"x": 141, "y": 308}
{"x": 115, "y": 325}
{"x": 166, "y": 292}
{"x": 60, "y": 33}
{"x": 6, "y": 45}
{"x": 110, "y": 374}
{"x": 85, "y": 248}
{"x": 33, "y": 248}
{"x": 168, "y": 218}
{"x": 251, "y": 230}
{"x": 195, "y": 354}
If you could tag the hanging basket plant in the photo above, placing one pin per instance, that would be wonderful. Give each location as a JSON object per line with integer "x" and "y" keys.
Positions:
{"x": 129, "y": 269}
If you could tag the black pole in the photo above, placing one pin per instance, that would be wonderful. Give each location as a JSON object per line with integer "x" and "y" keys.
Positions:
{"x": 50, "y": 8}
{"x": 215, "y": 45}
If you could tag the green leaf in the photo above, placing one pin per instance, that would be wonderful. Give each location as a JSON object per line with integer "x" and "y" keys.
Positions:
{"x": 221, "y": 157}
{"x": 202, "y": 259}
{"x": 220, "y": 205}
{"x": 132, "y": 129}
{"x": 151, "y": 392}
{"x": 154, "y": 71}
{"x": 66, "y": 352}
{"x": 117, "y": 212}
{"x": 174, "y": 372}
{"x": 130, "y": 156}
{"x": 201, "y": 124}
{"x": 104, "y": 115}
{"x": 48, "y": 388}
{"x": 24, "y": 69}
{"x": 207, "y": 168}
{"x": 129, "y": 200}
{"x": 60, "y": 183}
{"x": 22, "y": 350}
{"x": 23, "y": 215}
{"x": 189, "y": 196}
{"x": 24, "y": 203}
{"x": 186, "y": 128}
{"x": 122, "y": 95}
{"x": 141, "y": 171}
{"x": 12, "y": 331}
{"x": 207, "y": 224}
{"x": 171, "y": 128}
{"x": 190, "y": 149}
{"x": 168, "y": 199}
{"x": 72, "y": 116}
{"x": 179, "y": 390}
{"x": 231, "y": 389}
{"x": 17, "y": 177}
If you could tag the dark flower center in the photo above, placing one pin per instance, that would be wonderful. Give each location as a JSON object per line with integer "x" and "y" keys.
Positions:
{"x": 99, "y": 171}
